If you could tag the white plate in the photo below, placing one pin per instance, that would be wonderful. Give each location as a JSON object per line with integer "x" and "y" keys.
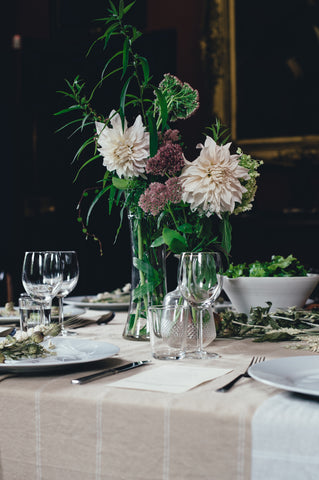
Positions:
{"x": 68, "y": 312}
{"x": 295, "y": 374}
{"x": 83, "y": 302}
{"x": 68, "y": 352}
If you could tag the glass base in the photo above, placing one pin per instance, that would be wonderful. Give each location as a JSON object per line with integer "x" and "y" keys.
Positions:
{"x": 168, "y": 356}
{"x": 201, "y": 355}
{"x": 67, "y": 333}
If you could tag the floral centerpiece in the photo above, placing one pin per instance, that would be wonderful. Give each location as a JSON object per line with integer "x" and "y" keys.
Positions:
{"x": 174, "y": 204}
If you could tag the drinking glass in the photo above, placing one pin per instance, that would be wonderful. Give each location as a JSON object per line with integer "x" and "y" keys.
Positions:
{"x": 200, "y": 283}
{"x": 42, "y": 277}
{"x": 70, "y": 277}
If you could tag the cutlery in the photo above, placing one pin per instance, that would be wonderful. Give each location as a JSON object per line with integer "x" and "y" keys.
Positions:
{"x": 229, "y": 385}
{"x": 109, "y": 371}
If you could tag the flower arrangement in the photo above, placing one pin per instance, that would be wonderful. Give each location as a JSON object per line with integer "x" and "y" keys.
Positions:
{"x": 187, "y": 202}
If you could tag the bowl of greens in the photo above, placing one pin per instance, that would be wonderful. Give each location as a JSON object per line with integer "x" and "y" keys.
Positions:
{"x": 282, "y": 281}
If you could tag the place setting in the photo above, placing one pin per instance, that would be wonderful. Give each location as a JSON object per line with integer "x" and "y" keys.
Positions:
{"x": 44, "y": 341}
{"x": 118, "y": 299}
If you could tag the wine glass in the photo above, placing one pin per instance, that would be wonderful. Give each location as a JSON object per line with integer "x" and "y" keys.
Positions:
{"x": 70, "y": 277}
{"x": 42, "y": 277}
{"x": 200, "y": 283}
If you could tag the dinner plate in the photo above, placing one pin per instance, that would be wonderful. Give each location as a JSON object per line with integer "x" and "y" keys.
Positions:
{"x": 67, "y": 352}
{"x": 69, "y": 311}
{"x": 295, "y": 374}
{"x": 85, "y": 303}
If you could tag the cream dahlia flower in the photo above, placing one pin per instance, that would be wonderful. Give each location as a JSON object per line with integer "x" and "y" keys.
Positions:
{"x": 211, "y": 183}
{"x": 123, "y": 151}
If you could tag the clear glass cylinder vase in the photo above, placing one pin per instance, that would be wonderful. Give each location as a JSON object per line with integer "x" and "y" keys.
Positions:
{"x": 148, "y": 277}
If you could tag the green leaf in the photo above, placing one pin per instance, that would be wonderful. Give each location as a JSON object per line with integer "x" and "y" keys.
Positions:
{"x": 153, "y": 134}
{"x": 67, "y": 110}
{"x": 106, "y": 176}
{"x": 68, "y": 124}
{"x": 136, "y": 34}
{"x": 84, "y": 165}
{"x": 185, "y": 228}
{"x": 163, "y": 106}
{"x": 122, "y": 100}
{"x": 158, "y": 242}
{"x": 106, "y": 36}
{"x": 121, "y": 9}
{"x": 113, "y": 191}
{"x": 145, "y": 68}
{"x": 113, "y": 8}
{"x": 174, "y": 240}
{"x": 125, "y": 56}
{"x": 102, "y": 80}
{"x": 109, "y": 61}
{"x": 128, "y": 7}
{"x": 83, "y": 146}
{"x": 226, "y": 231}
{"x": 96, "y": 199}
{"x": 120, "y": 183}
{"x": 145, "y": 267}
{"x": 142, "y": 290}
{"x": 131, "y": 321}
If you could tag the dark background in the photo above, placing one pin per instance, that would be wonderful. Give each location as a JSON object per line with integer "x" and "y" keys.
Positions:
{"x": 38, "y": 197}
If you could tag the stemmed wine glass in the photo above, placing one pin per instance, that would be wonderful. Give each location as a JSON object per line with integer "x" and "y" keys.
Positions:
{"x": 70, "y": 277}
{"x": 200, "y": 283}
{"x": 42, "y": 276}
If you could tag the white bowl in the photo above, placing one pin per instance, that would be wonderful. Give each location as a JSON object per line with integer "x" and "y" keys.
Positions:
{"x": 282, "y": 292}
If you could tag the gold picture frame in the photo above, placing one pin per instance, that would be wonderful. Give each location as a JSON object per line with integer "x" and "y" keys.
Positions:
{"x": 221, "y": 59}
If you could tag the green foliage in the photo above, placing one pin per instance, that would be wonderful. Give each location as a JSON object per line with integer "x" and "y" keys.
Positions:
{"x": 179, "y": 99}
{"x": 263, "y": 325}
{"x": 278, "y": 266}
{"x": 219, "y": 133}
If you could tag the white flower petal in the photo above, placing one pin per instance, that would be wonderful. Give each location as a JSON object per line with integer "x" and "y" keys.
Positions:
{"x": 123, "y": 151}
{"x": 211, "y": 183}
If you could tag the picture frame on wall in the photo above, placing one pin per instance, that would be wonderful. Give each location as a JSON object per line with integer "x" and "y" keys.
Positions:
{"x": 262, "y": 60}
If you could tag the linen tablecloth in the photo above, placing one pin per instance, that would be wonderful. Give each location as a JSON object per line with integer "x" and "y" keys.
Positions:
{"x": 51, "y": 429}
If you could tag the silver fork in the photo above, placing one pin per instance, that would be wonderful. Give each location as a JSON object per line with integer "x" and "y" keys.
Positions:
{"x": 229, "y": 385}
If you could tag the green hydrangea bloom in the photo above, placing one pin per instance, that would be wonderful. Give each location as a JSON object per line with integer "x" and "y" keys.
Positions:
{"x": 251, "y": 184}
{"x": 181, "y": 98}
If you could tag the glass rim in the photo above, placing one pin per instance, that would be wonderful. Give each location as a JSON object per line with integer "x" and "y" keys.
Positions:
{"x": 201, "y": 253}
{"x": 167, "y": 307}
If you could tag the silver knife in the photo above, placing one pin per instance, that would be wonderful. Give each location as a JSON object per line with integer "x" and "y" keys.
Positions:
{"x": 109, "y": 371}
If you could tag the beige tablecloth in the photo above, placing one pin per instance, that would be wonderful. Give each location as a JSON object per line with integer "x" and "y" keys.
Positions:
{"x": 51, "y": 429}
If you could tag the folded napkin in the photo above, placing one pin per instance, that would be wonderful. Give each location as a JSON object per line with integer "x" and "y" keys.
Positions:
{"x": 172, "y": 378}
{"x": 6, "y": 330}
{"x": 90, "y": 317}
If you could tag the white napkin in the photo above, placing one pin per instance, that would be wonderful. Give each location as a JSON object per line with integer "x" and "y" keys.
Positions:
{"x": 5, "y": 330}
{"x": 172, "y": 378}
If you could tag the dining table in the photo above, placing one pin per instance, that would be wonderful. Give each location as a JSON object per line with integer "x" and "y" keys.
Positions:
{"x": 141, "y": 424}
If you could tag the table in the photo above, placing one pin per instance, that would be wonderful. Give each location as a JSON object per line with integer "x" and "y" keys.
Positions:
{"x": 51, "y": 429}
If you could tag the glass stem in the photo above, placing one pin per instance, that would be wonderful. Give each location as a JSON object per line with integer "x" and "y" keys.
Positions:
{"x": 199, "y": 316}
{"x": 61, "y": 315}
{"x": 42, "y": 314}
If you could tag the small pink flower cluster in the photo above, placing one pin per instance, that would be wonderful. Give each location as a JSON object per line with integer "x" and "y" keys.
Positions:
{"x": 169, "y": 160}
{"x": 169, "y": 135}
{"x": 157, "y": 195}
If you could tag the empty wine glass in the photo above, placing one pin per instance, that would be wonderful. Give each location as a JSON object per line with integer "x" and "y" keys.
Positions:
{"x": 70, "y": 277}
{"x": 200, "y": 283}
{"x": 42, "y": 277}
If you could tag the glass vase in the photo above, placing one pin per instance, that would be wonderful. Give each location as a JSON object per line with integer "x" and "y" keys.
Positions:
{"x": 148, "y": 277}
